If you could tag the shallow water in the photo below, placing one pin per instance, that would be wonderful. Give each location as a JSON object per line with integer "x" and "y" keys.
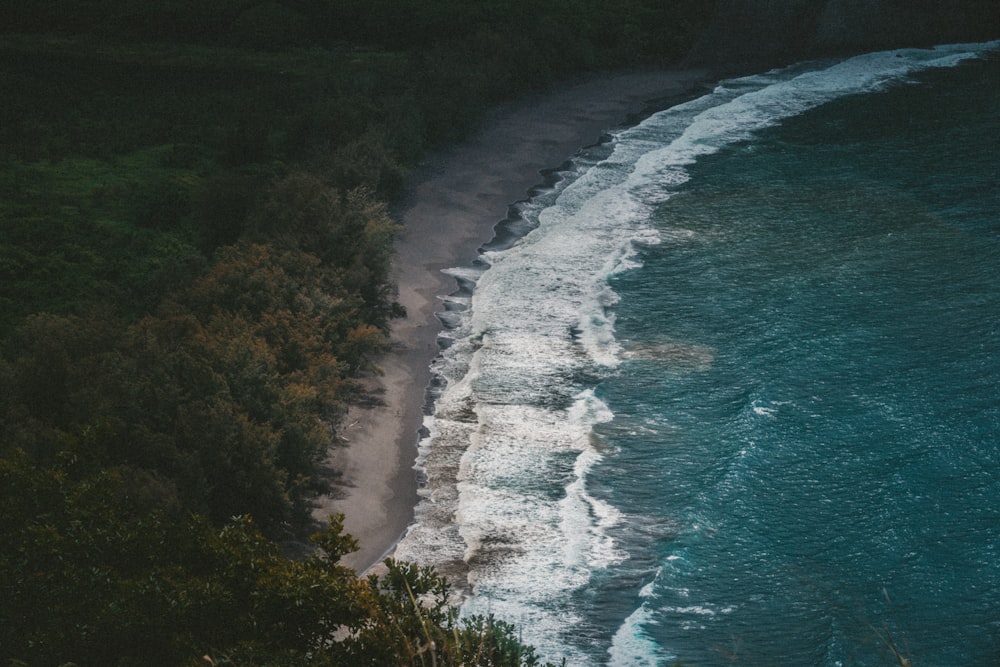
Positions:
{"x": 736, "y": 395}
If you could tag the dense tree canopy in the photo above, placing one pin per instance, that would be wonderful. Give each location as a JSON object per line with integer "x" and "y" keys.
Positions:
{"x": 230, "y": 389}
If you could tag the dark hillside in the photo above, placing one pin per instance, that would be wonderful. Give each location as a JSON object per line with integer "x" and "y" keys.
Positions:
{"x": 762, "y": 33}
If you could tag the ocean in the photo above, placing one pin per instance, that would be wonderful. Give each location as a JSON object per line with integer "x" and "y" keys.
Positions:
{"x": 726, "y": 389}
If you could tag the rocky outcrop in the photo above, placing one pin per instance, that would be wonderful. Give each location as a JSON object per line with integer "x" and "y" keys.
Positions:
{"x": 759, "y": 33}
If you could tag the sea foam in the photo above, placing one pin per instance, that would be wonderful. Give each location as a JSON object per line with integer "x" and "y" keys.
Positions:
{"x": 508, "y": 505}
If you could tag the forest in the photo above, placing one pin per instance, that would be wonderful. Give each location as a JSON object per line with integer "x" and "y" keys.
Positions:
{"x": 195, "y": 248}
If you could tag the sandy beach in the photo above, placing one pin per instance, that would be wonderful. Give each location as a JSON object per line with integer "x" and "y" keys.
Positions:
{"x": 455, "y": 199}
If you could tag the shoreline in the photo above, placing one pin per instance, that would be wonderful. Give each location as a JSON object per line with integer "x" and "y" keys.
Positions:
{"x": 454, "y": 200}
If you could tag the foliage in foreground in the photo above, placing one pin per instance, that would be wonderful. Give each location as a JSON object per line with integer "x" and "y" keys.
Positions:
{"x": 90, "y": 580}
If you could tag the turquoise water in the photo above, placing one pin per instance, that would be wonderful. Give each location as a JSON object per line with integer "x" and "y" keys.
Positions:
{"x": 835, "y": 468}
{"x": 736, "y": 398}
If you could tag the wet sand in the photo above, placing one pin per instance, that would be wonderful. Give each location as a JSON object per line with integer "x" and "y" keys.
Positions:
{"x": 454, "y": 200}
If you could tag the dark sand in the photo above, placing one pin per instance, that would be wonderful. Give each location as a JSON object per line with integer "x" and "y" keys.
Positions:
{"x": 455, "y": 200}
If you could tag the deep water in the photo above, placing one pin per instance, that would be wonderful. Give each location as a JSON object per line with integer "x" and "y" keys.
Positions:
{"x": 735, "y": 399}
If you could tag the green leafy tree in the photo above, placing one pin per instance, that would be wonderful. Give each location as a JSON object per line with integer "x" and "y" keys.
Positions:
{"x": 90, "y": 579}
{"x": 350, "y": 232}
